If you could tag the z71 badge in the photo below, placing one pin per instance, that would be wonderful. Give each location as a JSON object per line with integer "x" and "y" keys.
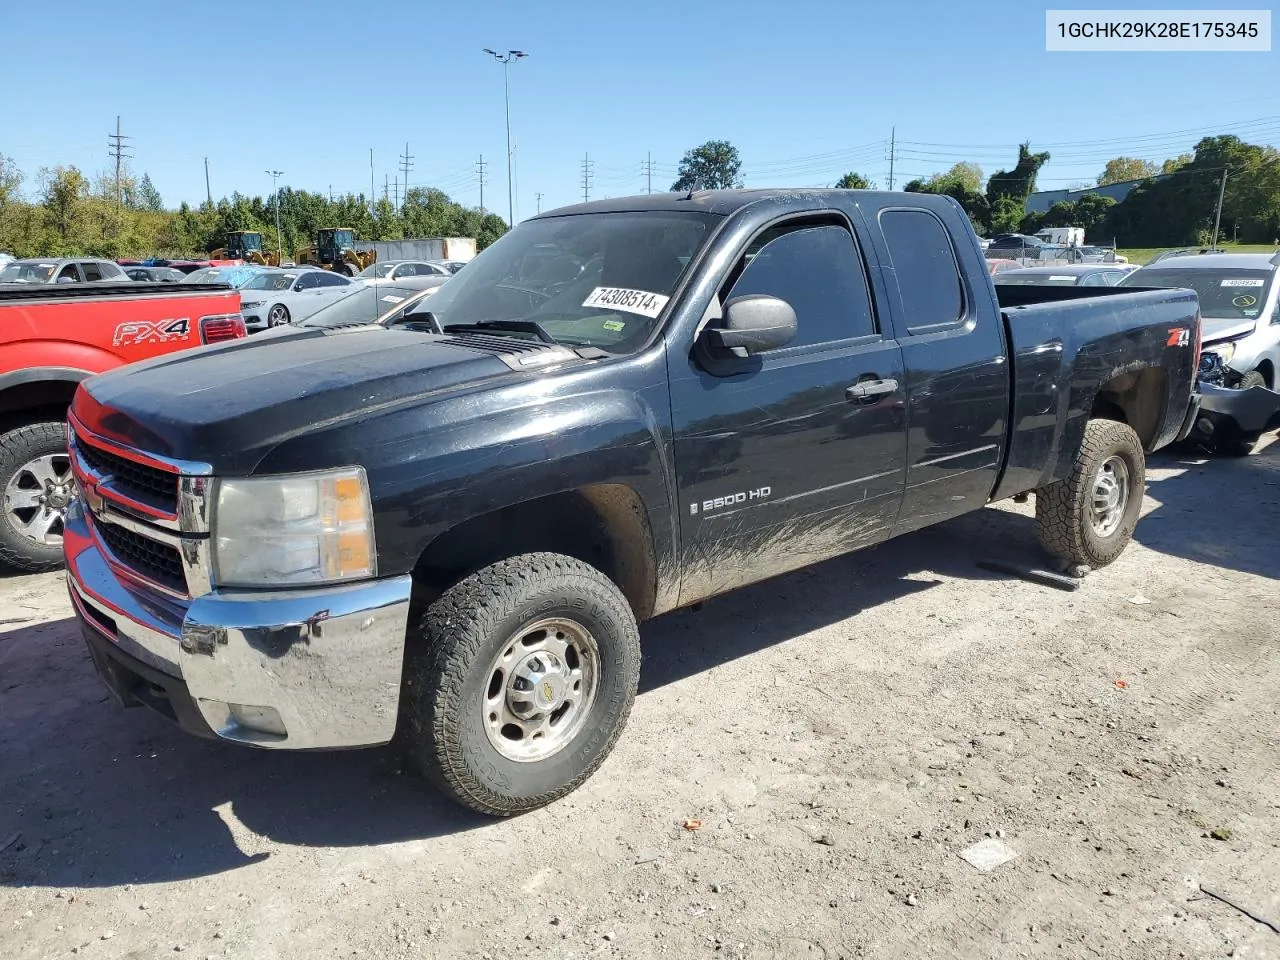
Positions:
{"x": 151, "y": 331}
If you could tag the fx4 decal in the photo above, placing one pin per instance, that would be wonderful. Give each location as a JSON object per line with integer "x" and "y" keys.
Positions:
{"x": 151, "y": 331}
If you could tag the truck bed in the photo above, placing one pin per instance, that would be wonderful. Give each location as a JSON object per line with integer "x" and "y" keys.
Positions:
{"x": 21, "y": 292}
{"x": 1066, "y": 340}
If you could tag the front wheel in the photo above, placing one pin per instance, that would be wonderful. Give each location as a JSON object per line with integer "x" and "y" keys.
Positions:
{"x": 35, "y": 474}
{"x": 278, "y": 315}
{"x": 1254, "y": 378}
{"x": 518, "y": 682}
{"x": 1089, "y": 517}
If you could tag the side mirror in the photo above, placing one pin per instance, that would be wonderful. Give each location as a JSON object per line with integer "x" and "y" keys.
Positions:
{"x": 753, "y": 324}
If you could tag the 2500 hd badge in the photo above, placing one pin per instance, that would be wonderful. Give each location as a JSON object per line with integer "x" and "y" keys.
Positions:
{"x": 732, "y": 500}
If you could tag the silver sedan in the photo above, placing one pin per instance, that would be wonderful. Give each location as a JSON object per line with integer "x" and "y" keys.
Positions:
{"x": 274, "y": 297}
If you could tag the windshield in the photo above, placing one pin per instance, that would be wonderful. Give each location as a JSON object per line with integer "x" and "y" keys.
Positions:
{"x": 1223, "y": 294}
{"x": 599, "y": 279}
{"x": 18, "y": 272}
{"x": 251, "y": 242}
{"x": 364, "y": 305}
{"x": 377, "y": 270}
{"x": 270, "y": 281}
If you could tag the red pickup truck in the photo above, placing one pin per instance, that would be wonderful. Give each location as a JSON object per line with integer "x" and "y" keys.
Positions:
{"x": 51, "y": 338}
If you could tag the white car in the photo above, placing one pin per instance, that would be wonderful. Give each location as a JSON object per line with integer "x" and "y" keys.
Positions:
{"x": 278, "y": 296}
{"x": 395, "y": 270}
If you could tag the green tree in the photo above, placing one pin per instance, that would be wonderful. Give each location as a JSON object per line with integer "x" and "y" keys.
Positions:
{"x": 713, "y": 166}
{"x": 148, "y": 195}
{"x": 960, "y": 183}
{"x": 1177, "y": 163}
{"x": 854, "y": 181}
{"x": 1020, "y": 182}
{"x": 1121, "y": 169}
{"x": 64, "y": 195}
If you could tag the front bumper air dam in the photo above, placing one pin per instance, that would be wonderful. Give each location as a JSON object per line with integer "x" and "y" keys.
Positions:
{"x": 295, "y": 670}
{"x": 1245, "y": 413}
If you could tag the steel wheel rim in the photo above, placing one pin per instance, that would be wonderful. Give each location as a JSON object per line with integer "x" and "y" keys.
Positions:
{"x": 1109, "y": 497}
{"x": 540, "y": 688}
{"x": 276, "y": 317}
{"x": 36, "y": 498}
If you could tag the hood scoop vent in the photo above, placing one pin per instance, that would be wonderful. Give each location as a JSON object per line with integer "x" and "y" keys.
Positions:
{"x": 516, "y": 353}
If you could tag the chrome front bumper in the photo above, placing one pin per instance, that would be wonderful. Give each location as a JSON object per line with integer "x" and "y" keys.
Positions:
{"x": 296, "y": 670}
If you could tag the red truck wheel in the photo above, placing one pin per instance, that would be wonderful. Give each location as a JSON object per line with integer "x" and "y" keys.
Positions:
{"x": 35, "y": 475}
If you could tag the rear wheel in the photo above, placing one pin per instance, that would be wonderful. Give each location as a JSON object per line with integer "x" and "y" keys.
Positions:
{"x": 1089, "y": 517}
{"x": 35, "y": 475}
{"x": 519, "y": 681}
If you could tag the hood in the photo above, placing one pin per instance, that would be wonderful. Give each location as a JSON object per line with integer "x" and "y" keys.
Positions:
{"x": 229, "y": 405}
{"x": 1217, "y": 329}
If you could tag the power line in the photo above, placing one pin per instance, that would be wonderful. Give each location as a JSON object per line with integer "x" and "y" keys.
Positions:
{"x": 539, "y": 196}
{"x": 406, "y": 164}
{"x": 116, "y": 146}
{"x": 586, "y": 177}
{"x": 893, "y": 152}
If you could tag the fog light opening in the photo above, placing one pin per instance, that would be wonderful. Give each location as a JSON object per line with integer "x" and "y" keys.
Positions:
{"x": 259, "y": 719}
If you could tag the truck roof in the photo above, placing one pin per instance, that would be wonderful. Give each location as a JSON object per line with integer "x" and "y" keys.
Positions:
{"x": 725, "y": 202}
{"x": 1216, "y": 261}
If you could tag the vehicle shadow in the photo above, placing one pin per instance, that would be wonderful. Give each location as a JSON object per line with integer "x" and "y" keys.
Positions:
{"x": 92, "y": 795}
{"x": 1222, "y": 511}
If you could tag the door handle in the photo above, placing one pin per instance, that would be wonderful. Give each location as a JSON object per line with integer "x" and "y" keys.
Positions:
{"x": 871, "y": 388}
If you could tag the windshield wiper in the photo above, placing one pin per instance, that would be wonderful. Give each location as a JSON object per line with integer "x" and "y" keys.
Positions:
{"x": 516, "y": 326}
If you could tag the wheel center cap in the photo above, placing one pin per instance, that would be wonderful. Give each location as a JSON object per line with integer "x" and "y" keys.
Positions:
{"x": 550, "y": 691}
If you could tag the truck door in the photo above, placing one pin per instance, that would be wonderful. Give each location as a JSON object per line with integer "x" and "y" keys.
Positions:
{"x": 796, "y": 454}
{"x": 957, "y": 371}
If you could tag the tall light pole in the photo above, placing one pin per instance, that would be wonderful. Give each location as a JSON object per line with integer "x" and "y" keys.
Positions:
{"x": 275, "y": 175}
{"x": 505, "y": 59}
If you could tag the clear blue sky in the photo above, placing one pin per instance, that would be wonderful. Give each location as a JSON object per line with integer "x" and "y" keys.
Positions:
{"x": 805, "y": 89}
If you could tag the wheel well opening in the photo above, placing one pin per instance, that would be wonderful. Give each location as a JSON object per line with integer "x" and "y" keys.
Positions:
{"x": 44, "y": 396}
{"x": 1136, "y": 398}
{"x": 1268, "y": 372}
{"x": 603, "y": 525}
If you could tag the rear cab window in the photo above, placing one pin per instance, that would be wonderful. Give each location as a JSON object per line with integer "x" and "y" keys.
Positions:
{"x": 924, "y": 261}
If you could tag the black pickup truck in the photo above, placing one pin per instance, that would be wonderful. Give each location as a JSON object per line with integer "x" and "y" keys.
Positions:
{"x": 447, "y": 525}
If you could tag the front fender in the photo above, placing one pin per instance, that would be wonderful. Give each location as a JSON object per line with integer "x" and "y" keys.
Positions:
{"x": 476, "y": 468}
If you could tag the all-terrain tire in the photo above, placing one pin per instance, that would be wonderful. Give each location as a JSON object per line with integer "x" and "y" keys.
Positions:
{"x": 451, "y": 647}
{"x": 19, "y": 447}
{"x": 1063, "y": 514}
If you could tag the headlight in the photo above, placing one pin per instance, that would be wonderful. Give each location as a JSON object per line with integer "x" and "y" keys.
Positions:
{"x": 250, "y": 303}
{"x": 1224, "y": 351}
{"x": 303, "y": 528}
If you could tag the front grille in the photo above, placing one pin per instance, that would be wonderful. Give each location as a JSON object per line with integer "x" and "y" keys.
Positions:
{"x": 156, "y": 561}
{"x": 151, "y": 485}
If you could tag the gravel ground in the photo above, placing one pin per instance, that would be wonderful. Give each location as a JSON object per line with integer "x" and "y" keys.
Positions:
{"x": 841, "y": 734}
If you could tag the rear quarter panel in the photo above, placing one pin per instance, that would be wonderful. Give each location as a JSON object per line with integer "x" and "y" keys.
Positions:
{"x": 1064, "y": 352}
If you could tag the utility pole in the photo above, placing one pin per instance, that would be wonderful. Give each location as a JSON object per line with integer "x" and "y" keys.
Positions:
{"x": 373, "y": 190}
{"x": 648, "y": 170}
{"x": 505, "y": 60}
{"x": 480, "y": 167}
{"x": 406, "y": 164}
{"x": 539, "y": 196}
{"x": 1217, "y": 217}
{"x": 275, "y": 176}
{"x": 208, "y": 191}
{"x": 586, "y": 177}
{"x": 893, "y": 152}
{"x": 386, "y": 188}
{"x": 116, "y": 143}
{"x": 396, "y": 184}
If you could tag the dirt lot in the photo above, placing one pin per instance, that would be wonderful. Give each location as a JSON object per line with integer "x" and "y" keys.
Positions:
{"x": 841, "y": 733}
